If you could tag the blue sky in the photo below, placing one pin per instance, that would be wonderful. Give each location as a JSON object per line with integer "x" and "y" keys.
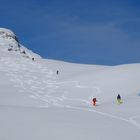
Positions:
{"x": 103, "y": 32}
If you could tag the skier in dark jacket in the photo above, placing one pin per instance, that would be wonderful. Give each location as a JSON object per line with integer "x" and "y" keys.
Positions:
{"x": 119, "y": 99}
{"x": 57, "y": 72}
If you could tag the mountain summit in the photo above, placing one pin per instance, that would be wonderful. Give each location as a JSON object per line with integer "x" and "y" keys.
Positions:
{"x": 9, "y": 42}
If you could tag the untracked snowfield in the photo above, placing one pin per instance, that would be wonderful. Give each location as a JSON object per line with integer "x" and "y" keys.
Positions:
{"x": 36, "y": 103}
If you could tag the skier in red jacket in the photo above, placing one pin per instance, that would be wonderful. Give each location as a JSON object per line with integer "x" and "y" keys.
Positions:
{"x": 94, "y": 101}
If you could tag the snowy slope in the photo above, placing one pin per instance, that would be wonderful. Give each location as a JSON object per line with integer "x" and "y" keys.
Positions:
{"x": 38, "y": 104}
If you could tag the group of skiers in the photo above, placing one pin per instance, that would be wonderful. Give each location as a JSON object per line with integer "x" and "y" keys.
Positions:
{"x": 119, "y": 100}
{"x": 94, "y": 100}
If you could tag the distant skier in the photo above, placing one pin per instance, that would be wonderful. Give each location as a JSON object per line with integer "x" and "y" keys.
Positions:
{"x": 94, "y": 100}
{"x": 57, "y": 72}
{"x": 119, "y": 100}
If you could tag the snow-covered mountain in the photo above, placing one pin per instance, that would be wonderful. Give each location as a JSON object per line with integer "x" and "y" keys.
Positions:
{"x": 37, "y": 103}
{"x": 10, "y": 42}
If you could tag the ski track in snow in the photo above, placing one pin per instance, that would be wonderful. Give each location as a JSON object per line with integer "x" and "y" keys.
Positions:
{"x": 45, "y": 86}
{"x": 134, "y": 122}
{"x": 131, "y": 120}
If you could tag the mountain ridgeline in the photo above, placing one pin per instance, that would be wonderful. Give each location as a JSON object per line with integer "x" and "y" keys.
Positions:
{"x": 10, "y": 42}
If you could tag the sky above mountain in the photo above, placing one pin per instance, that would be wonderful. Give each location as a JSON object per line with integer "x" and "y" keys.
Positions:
{"x": 82, "y": 31}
